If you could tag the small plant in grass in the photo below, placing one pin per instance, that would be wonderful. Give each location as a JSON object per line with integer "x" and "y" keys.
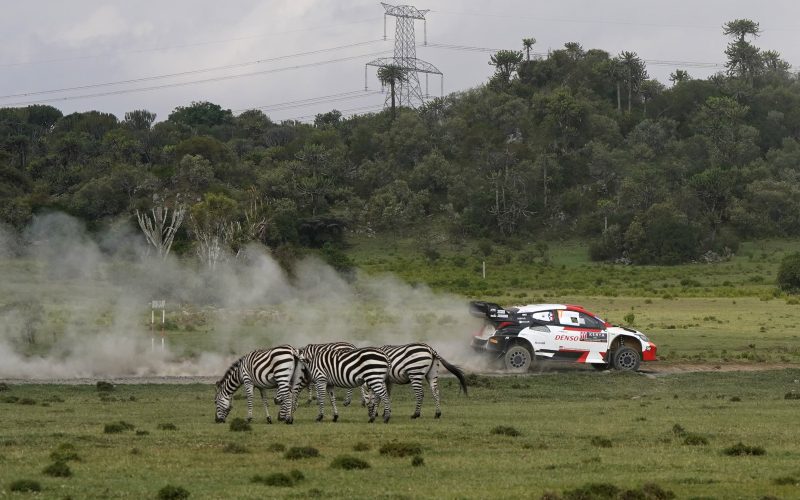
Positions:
{"x": 103, "y": 386}
{"x": 25, "y": 485}
{"x": 678, "y": 430}
{"x": 506, "y": 430}
{"x": 692, "y": 439}
{"x": 235, "y": 448}
{"x": 10, "y": 399}
{"x": 4, "y": 387}
{"x": 735, "y": 399}
{"x": 58, "y": 469}
{"x": 740, "y": 449}
{"x": 167, "y": 427}
{"x": 296, "y": 475}
{"x": 142, "y": 433}
{"x": 787, "y": 481}
{"x": 276, "y": 447}
{"x": 170, "y": 492}
{"x": 298, "y": 452}
{"x": 792, "y": 395}
{"x": 118, "y": 427}
{"x": 601, "y": 442}
{"x": 397, "y": 449}
{"x": 629, "y": 319}
{"x": 240, "y": 425}
{"x": 349, "y": 463}
{"x": 361, "y": 446}
{"x": 417, "y": 461}
{"x": 279, "y": 479}
{"x": 64, "y": 453}
{"x": 27, "y": 401}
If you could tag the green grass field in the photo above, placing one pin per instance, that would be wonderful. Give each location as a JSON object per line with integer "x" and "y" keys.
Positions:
{"x": 576, "y": 427}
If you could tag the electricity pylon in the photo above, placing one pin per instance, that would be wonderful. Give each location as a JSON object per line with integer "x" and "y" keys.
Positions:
{"x": 408, "y": 92}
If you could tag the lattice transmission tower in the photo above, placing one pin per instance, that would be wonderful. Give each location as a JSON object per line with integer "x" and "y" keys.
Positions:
{"x": 407, "y": 91}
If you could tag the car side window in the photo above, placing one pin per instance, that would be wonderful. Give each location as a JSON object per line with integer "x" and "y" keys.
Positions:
{"x": 545, "y": 316}
{"x": 590, "y": 322}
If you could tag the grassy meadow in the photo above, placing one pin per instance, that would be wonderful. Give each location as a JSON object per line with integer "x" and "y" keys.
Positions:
{"x": 558, "y": 433}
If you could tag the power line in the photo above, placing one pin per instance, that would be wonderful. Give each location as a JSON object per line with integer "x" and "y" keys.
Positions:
{"x": 194, "y": 82}
{"x": 344, "y": 96}
{"x": 190, "y": 72}
{"x": 367, "y": 108}
{"x": 185, "y": 45}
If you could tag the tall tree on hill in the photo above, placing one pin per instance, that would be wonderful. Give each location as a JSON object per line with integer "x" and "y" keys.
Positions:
{"x": 679, "y": 76}
{"x": 392, "y": 75}
{"x": 744, "y": 58}
{"x": 506, "y": 63}
{"x": 528, "y": 44}
{"x": 634, "y": 72}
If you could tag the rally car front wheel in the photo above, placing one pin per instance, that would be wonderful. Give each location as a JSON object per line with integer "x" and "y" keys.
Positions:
{"x": 518, "y": 359}
{"x": 627, "y": 359}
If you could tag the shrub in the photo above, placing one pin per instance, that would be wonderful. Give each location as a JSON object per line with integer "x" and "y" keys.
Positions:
{"x": 361, "y": 446}
{"x": 506, "y": 430}
{"x": 276, "y": 447}
{"x": 596, "y": 491}
{"x": 789, "y": 273}
{"x": 298, "y": 452}
{"x": 348, "y": 463}
{"x": 695, "y": 440}
{"x": 170, "y": 492}
{"x": 27, "y": 401}
{"x": 25, "y": 485}
{"x": 117, "y": 427}
{"x": 740, "y": 449}
{"x": 103, "y": 386}
{"x": 417, "y": 461}
{"x": 274, "y": 479}
{"x": 240, "y": 425}
{"x": 167, "y": 427}
{"x": 629, "y": 318}
{"x": 296, "y": 475}
{"x": 397, "y": 449}
{"x": 792, "y": 395}
{"x": 58, "y": 469}
{"x": 235, "y": 448}
{"x": 142, "y": 433}
{"x": 601, "y": 442}
{"x": 787, "y": 481}
{"x": 4, "y": 387}
{"x": 678, "y": 429}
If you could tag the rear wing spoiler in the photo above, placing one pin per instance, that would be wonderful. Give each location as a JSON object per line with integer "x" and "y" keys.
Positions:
{"x": 488, "y": 310}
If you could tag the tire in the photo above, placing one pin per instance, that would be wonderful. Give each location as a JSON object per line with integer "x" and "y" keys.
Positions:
{"x": 627, "y": 359}
{"x": 518, "y": 359}
{"x": 600, "y": 366}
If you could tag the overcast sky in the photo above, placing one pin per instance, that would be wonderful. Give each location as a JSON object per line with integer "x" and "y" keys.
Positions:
{"x": 62, "y": 52}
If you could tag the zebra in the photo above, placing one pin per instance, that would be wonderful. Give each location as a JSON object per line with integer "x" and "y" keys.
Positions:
{"x": 347, "y": 368}
{"x": 312, "y": 350}
{"x": 410, "y": 363}
{"x": 262, "y": 368}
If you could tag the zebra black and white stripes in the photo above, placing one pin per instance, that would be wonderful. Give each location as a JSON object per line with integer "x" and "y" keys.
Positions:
{"x": 411, "y": 363}
{"x": 349, "y": 368}
{"x": 312, "y": 350}
{"x": 264, "y": 369}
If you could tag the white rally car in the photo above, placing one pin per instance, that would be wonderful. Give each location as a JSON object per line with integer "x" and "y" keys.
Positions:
{"x": 521, "y": 335}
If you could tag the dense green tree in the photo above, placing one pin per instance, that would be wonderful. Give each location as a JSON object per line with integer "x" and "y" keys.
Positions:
{"x": 392, "y": 75}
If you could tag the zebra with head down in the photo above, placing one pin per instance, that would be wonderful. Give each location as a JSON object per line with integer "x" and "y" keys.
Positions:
{"x": 264, "y": 369}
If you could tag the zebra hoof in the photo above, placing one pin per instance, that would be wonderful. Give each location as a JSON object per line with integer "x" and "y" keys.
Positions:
{"x": 438, "y": 414}
{"x": 289, "y": 421}
{"x": 335, "y": 418}
{"x": 415, "y": 415}
{"x": 386, "y": 419}
{"x": 346, "y": 403}
{"x": 319, "y": 418}
{"x": 249, "y": 419}
{"x": 269, "y": 420}
{"x": 371, "y": 419}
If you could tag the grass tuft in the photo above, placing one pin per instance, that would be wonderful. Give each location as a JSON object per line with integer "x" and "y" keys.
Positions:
{"x": 27, "y": 401}
{"x": 740, "y": 449}
{"x": 692, "y": 439}
{"x": 167, "y": 427}
{"x": 170, "y": 492}
{"x": 361, "y": 446}
{"x": 792, "y": 395}
{"x": 678, "y": 430}
{"x": 9, "y": 399}
{"x": 601, "y": 442}
{"x": 279, "y": 479}
{"x": 349, "y": 463}
{"x": 25, "y": 485}
{"x": 786, "y": 481}
{"x": 506, "y": 430}
{"x": 118, "y": 427}
{"x": 235, "y": 448}
{"x": 298, "y": 452}
{"x": 417, "y": 461}
{"x": 397, "y": 449}
{"x": 64, "y": 453}
{"x": 240, "y": 425}
{"x": 58, "y": 469}
{"x": 276, "y": 448}
{"x": 142, "y": 433}
{"x": 4, "y": 387}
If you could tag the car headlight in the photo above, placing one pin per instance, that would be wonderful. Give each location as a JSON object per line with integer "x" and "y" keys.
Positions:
{"x": 642, "y": 337}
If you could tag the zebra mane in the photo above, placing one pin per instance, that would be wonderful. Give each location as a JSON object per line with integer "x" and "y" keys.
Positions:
{"x": 231, "y": 373}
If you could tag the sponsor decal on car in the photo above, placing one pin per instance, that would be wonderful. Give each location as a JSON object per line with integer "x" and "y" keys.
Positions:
{"x": 584, "y": 337}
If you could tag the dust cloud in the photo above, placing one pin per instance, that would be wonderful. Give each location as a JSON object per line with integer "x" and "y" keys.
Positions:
{"x": 75, "y": 304}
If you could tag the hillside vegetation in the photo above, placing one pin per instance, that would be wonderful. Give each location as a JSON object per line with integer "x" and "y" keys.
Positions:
{"x": 581, "y": 143}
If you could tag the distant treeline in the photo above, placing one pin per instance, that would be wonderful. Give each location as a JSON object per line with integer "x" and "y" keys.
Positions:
{"x": 578, "y": 144}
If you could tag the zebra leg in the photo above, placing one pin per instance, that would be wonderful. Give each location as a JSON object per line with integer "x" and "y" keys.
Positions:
{"x": 248, "y": 391}
{"x": 332, "y": 395}
{"x": 266, "y": 408}
{"x": 287, "y": 405}
{"x": 348, "y": 397}
{"x": 320, "y": 384}
{"x": 378, "y": 388}
{"x": 310, "y": 397}
{"x": 434, "y": 381}
{"x": 364, "y": 395}
{"x": 416, "y": 386}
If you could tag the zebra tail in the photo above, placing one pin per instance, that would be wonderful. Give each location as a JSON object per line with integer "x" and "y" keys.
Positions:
{"x": 458, "y": 372}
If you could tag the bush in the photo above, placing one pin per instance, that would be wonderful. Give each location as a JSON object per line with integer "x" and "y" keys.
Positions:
{"x": 103, "y": 386}
{"x": 417, "y": 461}
{"x": 789, "y": 273}
{"x": 506, "y": 430}
{"x": 740, "y": 449}
{"x": 25, "y": 485}
{"x": 601, "y": 442}
{"x": 64, "y": 453}
{"x": 792, "y": 395}
{"x": 58, "y": 469}
{"x": 298, "y": 452}
{"x": 167, "y": 427}
{"x": 117, "y": 427}
{"x": 695, "y": 440}
{"x": 274, "y": 479}
{"x": 170, "y": 492}
{"x": 361, "y": 446}
{"x": 240, "y": 425}
{"x": 397, "y": 449}
{"x": 4, "y": 387}
{"x": 234, "y": 448}
{"x": 276, "y": 447}
{"x": 349, "y": 463}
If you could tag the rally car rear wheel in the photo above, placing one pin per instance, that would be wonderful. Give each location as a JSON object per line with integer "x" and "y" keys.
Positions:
{"x": 518, "y": 359}
{"x": 627, "y": 359}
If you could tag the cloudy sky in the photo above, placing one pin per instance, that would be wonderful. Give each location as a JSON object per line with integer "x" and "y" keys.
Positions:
{"x": 295, "y": 58}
